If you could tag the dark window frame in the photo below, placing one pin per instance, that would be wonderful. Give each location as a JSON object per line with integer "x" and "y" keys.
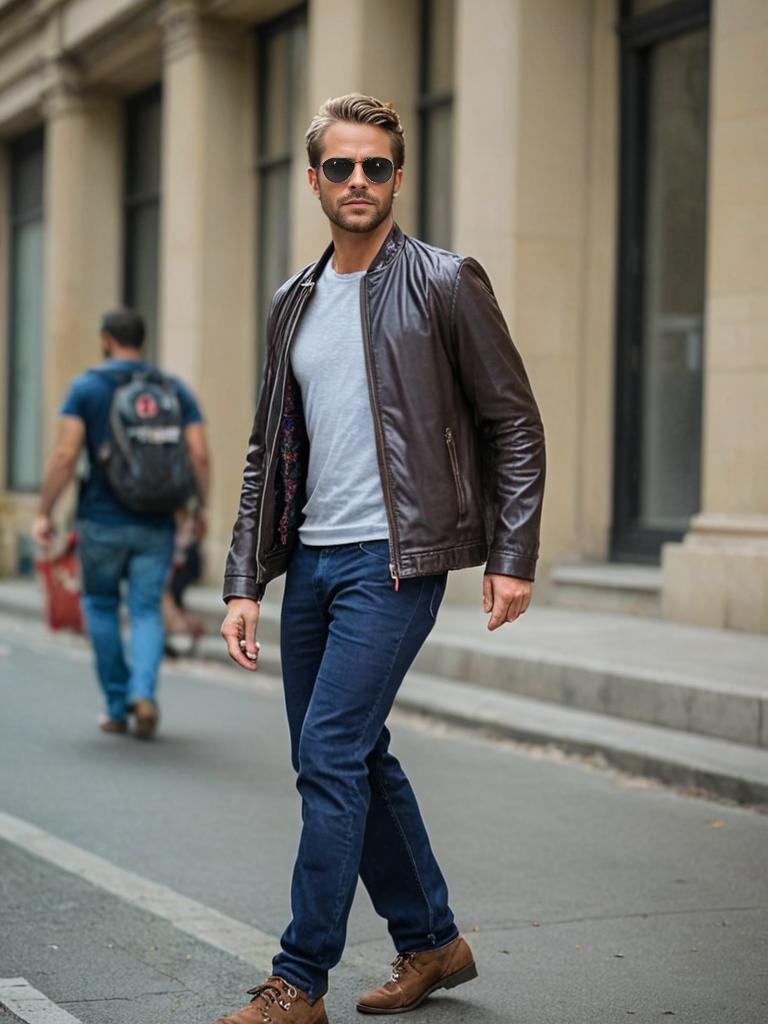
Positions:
{"x": 28, "y": 143}
{"x": 427, "y": 103}
{"x": 132, "y": 201}
{"x": 637, "y": 34}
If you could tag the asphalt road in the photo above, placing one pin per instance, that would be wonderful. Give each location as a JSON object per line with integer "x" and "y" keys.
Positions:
{"x": 588, "y": 896}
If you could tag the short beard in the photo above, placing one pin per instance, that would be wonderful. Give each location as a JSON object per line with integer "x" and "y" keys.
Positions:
{"x": 349, "y": 222}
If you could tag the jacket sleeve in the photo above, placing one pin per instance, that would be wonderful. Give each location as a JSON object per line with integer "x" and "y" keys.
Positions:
{"x": 494, "y": 379}
{"x": 240, "y": 571}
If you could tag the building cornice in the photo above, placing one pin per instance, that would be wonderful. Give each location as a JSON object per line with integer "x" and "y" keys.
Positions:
{"x": 24, "y": 19}
{"x": 62, "y": 87}
{"x": 186, "y": 30}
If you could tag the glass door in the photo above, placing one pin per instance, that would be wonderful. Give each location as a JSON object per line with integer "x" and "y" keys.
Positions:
{"x": 665, "y": 79}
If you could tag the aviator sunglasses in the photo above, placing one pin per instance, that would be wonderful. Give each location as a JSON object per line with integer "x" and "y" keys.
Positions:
{"x": 377, "y": 169}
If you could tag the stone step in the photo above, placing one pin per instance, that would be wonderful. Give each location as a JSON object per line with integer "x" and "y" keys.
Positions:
{"x": 607, "y": 586}
{"x": 726, "y": 701}
{"x": 705, "y": 682}
{"x": 678, "y": 758}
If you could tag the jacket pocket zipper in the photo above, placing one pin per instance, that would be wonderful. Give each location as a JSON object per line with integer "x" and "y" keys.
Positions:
{"x": 451, "y": 445}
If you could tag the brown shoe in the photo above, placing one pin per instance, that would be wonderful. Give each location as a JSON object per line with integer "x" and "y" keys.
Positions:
{"x": 146, "y": 717}
{"x": 417, "y": 975}
{"x": 277, "y": 1001}
{"x": 114, "y": 725}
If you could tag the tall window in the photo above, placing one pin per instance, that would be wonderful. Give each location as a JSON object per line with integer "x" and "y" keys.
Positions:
{"x": 141, "y": 206}
{"x": 282, "y": 110}
{"x": 665, "y": 112}
{"x": 436, "y": 121}
{"x": 26, "y": 314}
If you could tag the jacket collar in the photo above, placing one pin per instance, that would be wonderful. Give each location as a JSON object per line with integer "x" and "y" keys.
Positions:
{"x": 390, "y": 247}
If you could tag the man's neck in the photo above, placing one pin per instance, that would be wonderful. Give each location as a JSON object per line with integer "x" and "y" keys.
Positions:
{"x": 129, "y": 355}
{"x": 352, "y": 252}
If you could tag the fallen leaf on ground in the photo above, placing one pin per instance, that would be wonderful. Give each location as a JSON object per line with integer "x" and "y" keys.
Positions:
{"x": 717, "y": 823}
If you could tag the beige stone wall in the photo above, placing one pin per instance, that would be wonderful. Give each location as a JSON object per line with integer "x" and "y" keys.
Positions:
{"x": 535, "y": 169}
{"x": 7, "y": 527}
{"x": 346, "y": 56}
{"x": 207, "y": 325}
{"x": 718, "y": 576}
{"x": 83, "y": 172}
{"x": 5, "y": 238}
{"x": 535, "y": 200}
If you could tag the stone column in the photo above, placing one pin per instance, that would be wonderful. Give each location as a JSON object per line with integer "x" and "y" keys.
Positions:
{"x": 207, "y": 292}
{"x": 522, "y": 187}
{"x": 83, "y": 175}
{"x": 8, "y": 512}
{"x": 718, "y": 575}
{"x": 365, "y": 47}
{"x": 5, "y": 268}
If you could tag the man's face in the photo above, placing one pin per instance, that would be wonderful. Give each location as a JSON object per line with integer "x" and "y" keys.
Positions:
{"x": 357, "y": 204}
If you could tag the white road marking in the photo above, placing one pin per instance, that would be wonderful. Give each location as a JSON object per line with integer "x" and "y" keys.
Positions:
{"x": 196, "y": 919}
{"x": 31, "y": 1006}
{"x": 203, "y": 923}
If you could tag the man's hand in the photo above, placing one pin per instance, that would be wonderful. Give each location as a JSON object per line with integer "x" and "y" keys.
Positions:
{"x": 43, "y": 531}
{"x": 505, "y": 597}
{"x": 239, "y": 631}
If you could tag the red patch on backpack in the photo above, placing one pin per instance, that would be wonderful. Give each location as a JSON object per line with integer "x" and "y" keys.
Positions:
{"x": 146, "y": 407}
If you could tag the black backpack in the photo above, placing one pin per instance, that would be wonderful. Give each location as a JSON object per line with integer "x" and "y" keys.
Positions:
{"x": 145, "y": 457}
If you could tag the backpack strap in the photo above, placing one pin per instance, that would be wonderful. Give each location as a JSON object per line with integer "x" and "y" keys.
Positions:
{"x": 115, "y": 377}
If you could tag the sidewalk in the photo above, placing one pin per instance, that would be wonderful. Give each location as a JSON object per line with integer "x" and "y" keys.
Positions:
{"x": 681, "y": 703}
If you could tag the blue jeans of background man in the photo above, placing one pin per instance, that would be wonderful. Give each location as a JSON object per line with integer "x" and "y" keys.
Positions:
{"x": 141, "y": 555}
{"x": 347, "y": 640}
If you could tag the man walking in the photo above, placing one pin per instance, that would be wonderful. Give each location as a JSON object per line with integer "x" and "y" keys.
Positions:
{"x": 396, "y": 438}
{"x": 117, "y": 541}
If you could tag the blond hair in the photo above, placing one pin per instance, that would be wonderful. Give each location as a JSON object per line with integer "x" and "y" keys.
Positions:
{"x": 357, "y": 109}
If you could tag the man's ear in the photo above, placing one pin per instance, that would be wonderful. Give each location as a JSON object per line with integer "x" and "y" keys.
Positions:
{"x": 312, "y": 179}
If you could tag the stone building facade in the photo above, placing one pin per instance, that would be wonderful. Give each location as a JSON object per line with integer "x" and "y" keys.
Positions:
{"x": 606, "y": 160}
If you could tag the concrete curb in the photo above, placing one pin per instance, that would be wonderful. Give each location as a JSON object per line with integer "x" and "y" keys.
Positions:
{"x": 722, "y": 768}
{"x": 716, "y": 765}
{"x": 653, "y": 697}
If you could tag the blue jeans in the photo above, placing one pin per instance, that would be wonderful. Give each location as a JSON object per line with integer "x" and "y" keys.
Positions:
{"x": 347, "y": 640}
{"x": 141, "y": 555}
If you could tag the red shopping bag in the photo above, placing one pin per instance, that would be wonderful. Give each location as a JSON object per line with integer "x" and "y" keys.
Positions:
{"x": 60, "y": 575}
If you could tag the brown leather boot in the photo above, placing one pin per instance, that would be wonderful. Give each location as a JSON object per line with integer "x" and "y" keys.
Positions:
{"x": 277, "y": 1001}
{"x": 114, "y": 725}
{"x": 417, "y": 975}
{"x": 146, "y": 717}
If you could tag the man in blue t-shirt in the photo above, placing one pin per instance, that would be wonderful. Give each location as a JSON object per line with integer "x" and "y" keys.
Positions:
{"x": 117, "y": 543}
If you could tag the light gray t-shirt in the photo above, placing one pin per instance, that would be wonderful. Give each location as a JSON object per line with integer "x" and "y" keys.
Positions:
{"x": 345, "y": 502}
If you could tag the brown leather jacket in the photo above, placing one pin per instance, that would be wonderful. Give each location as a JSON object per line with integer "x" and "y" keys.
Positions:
{"x": 458, "y": 434}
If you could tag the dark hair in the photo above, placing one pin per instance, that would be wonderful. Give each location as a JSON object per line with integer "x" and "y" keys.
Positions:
{"x": 356, "y": 109}
{"x": 126, "y": 326}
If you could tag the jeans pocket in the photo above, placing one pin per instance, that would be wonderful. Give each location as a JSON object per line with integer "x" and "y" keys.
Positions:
{"x": 378, "y": 549}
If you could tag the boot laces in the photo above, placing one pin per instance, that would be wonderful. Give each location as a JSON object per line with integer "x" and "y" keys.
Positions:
{"x": 269, "y": 995}
{"x": 401, "y": 964}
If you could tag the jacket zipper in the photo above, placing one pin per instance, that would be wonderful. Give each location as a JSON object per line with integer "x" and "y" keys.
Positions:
{"x": 307, "y": 291}
{"x": 451, "y": 444}
{"x": 379, "y": 431}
